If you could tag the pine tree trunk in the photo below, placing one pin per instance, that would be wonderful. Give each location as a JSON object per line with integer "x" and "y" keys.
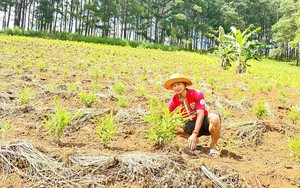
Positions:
{"x": 24, "y": 6}
{"x": 61, "y": 17}
{"x": 156, "y": 31}
{"x": 76, "y": 18}
{"x": 114, "y": 35}
{"x": 65, "y": 20}
{"x": 17, "y": 14}
{"x": 8, "y": 17}
{"x": 55, "y": 18}
{"x": 29, "y": 15}
{"x": 71, "y": 16}
{"x": 80, "y": 18}
{"x": 4, "y": 18}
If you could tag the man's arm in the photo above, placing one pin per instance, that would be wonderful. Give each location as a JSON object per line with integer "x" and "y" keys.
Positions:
{"x": 193, "y": 139}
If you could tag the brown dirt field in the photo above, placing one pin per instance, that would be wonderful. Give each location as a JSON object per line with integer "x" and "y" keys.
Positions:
{"x": 261, "y": 161}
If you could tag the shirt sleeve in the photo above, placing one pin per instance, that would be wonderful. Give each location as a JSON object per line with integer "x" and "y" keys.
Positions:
{"x": 200, "y": 102}
{"x": 171, "y": 105}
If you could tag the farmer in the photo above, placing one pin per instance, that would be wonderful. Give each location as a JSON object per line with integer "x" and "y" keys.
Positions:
{"x": 192, "y": 105}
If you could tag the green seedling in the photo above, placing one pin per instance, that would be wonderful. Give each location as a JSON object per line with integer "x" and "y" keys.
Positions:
{"x": 106, "y": 128}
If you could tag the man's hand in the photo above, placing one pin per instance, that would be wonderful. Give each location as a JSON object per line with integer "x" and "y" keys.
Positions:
{"x": 193, "y": 140}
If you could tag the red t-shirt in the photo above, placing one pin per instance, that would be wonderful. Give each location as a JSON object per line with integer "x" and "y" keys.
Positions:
{"x": 194, "y": 101}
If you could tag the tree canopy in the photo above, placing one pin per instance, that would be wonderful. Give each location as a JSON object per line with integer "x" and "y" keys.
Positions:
{"x": 184, "y": 23}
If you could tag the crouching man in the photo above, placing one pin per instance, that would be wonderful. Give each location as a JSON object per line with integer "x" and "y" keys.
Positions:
{"x": 192, "y": 105}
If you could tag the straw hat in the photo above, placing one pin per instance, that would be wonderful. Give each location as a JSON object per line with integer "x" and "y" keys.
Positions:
{"x": 177, "y": 78}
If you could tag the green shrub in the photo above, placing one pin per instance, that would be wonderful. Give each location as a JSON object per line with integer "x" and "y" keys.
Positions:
{"x": 57, "y": 123}
{"x": 294, "y": 114}
{"x": 282, "y": 97}
{"x": 106, "y": 128}
{"x": 163, "y": 125}
{"x": 294, "y": 147}
{"x": 119, "y": 88}
{"x": 90, "y": 39}
{"x": 87, "y": 98}
{"x": 123, "y": 101}
{"x": 261, "y": 110}
{"x": 51, "y": 87}
{"x": 95, "y": 86}
{"x": 25, "y": 96}
{"x": 72, "y": 87}
{"x": 96, "y": 73}
{"x": 5, "y": 128}
{"x": 41, "y": 65}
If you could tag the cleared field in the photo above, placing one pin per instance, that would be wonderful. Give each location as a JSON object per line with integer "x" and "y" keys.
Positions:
{"x": 35, "y": 73}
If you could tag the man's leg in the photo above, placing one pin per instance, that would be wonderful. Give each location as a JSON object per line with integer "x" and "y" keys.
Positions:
{"x": 182, "y": 133}
{"x": 214, "y": 129}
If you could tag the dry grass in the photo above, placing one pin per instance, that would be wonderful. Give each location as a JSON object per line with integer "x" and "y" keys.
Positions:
{"x": 145, "y": 169}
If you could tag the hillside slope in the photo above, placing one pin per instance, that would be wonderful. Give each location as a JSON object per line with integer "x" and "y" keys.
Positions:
{"x": 254, "y": 151}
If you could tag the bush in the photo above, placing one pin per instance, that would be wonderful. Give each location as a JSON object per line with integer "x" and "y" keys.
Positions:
{"x": 25, "y": 96}
{"x": 261, "y": 110}
{"x": 294, "y": 114}
{"x": 163, "y": 125}
{"x": 57, "y": 123}
{"x": 5, "y": 128}
{"x": 91, "y": 39}
{"x": 87, "y": 98}
{"x": 122, "y": 101}
{"x": 294, "y": 146}
{"x": 106, "y": 128}
{"x": 119, "y": 88}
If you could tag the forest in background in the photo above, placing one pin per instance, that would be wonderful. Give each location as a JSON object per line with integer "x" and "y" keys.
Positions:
{"x": 189, "y": 24}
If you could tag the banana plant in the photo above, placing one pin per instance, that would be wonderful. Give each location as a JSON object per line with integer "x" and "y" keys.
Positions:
{"x": 242, "y": 47}
{"x": 224, "y": 49}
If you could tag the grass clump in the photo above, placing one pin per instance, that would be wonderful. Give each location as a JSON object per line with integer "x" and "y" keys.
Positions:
{"x": 25, "y": 96}
{"x": 41, "y": 66}
{"x": 294, "y": 114}
{"x": 57, "y": 123}
{"x": 87, "y": 98}
{"x": 163, "y": 125}
{"x": 294, "y": 147}
{"x": 261, "y": 110}
{"x": 123, "y": 101}
{"x": 5, "y": 128}
{"x": 106, "y": 128}
{"x": 72, "y": 87}
{"x": 119, "y": 88}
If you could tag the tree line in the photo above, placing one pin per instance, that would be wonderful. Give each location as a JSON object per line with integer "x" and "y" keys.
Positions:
{"x": 183, "y": 23}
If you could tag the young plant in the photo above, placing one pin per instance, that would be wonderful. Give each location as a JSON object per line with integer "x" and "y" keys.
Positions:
{"x": 51, "y": 87}
{"x": 41, "y": 66}
{"x": 242, "y": 47}
{"x": 294, "y": 114}
{"x": 163, "y": 125}
{"x": 73, "y": 86}
{"x": 282, "y": 97}
{"x": 65, "y": 72}
{"x": 5, "y": 128}
{"x": 57, "y": 123}
{"x": 261, "y": 110}
{"x": 96, "y": 73}
{"x": 294, "y": 146}
{"x": 95, "y": 86}
{"x": 87, "y": 98}
{"x": 123, "y": 101}
{"x": 141, "y": 89}
{"x": 119, "y": 88}
{"x": 106, "y": 128}
{"x": 25, "y": 96}
{"x": 19, "y": 71}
